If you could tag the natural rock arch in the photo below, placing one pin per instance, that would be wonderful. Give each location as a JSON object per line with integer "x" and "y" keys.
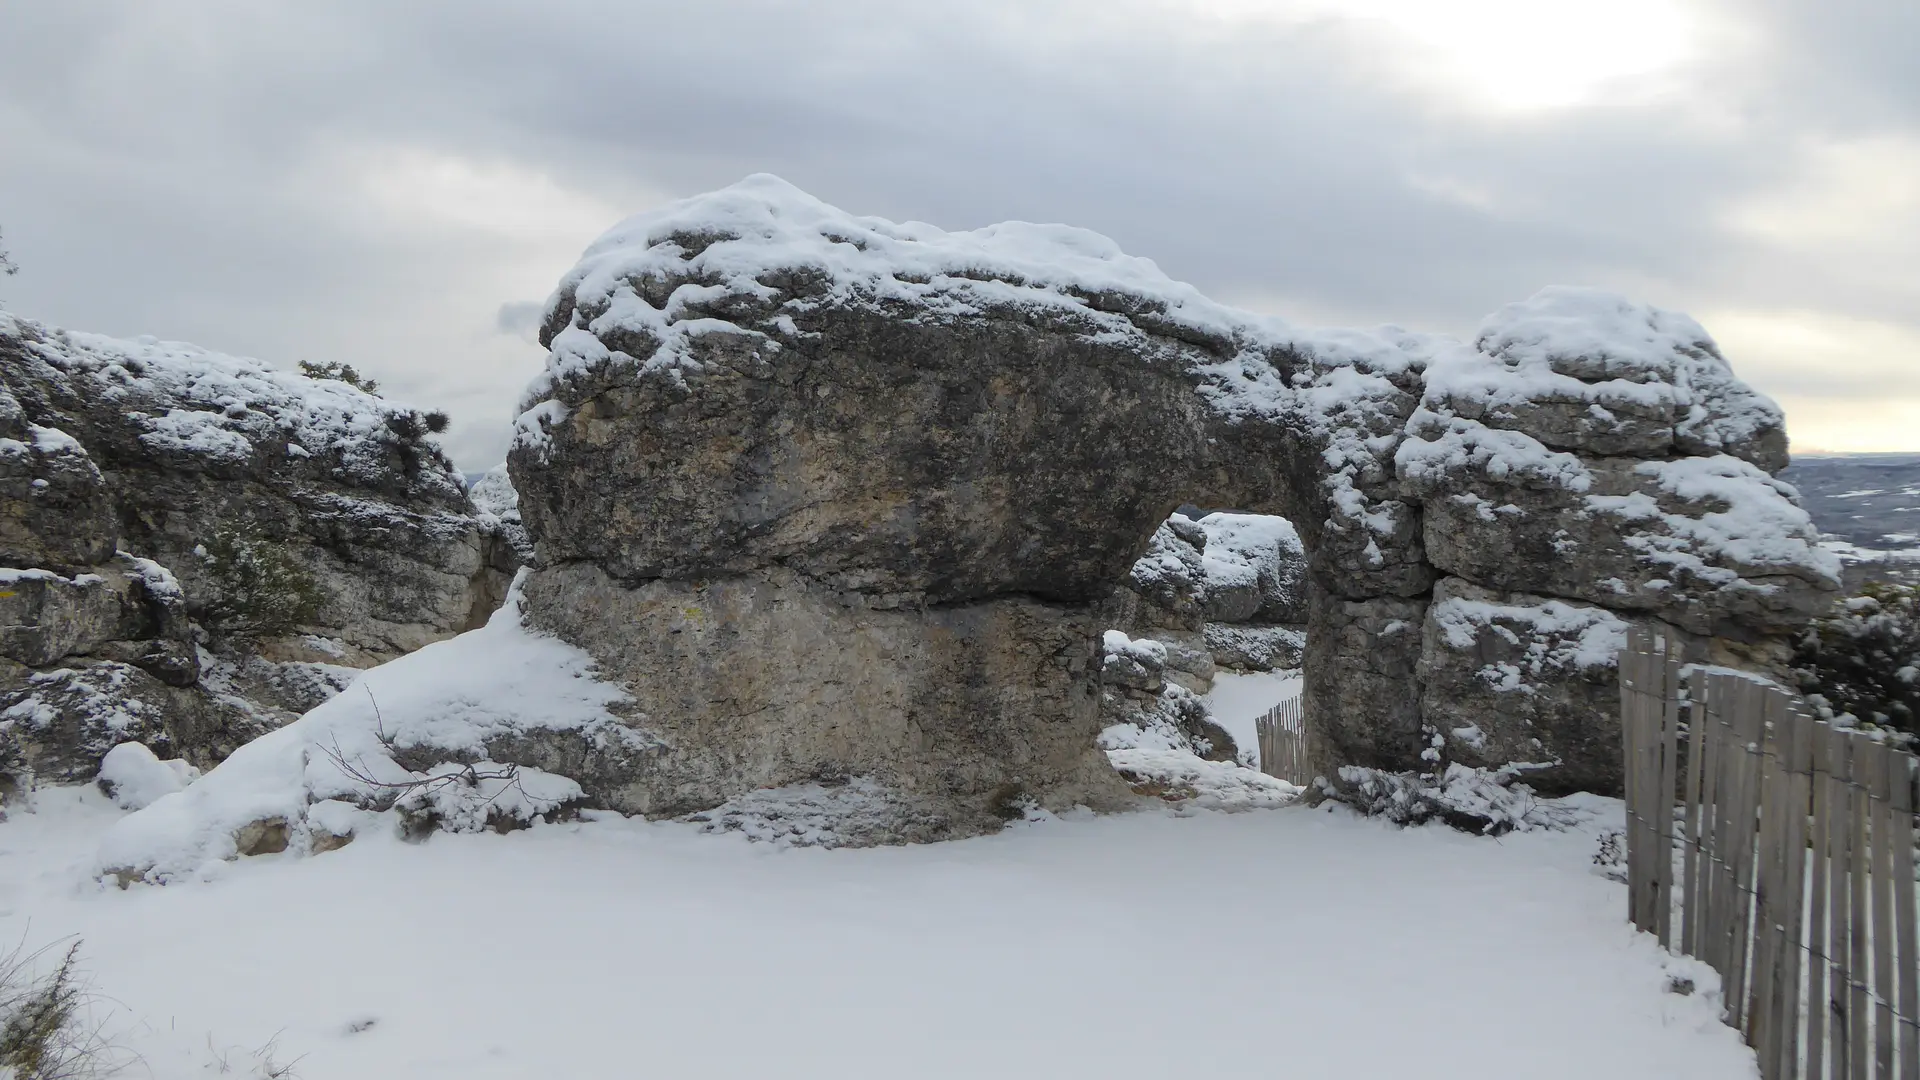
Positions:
{"x": 839, "y": 498}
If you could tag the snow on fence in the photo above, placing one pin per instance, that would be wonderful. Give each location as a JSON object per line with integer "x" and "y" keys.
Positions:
{"x": 1282, "y": 733}
{"x": 1779, "y": 850}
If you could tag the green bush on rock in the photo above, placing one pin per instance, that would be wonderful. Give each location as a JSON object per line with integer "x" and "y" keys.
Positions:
{"x": 1863, "y": 659}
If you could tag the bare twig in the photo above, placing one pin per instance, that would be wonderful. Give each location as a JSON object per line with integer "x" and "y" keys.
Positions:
{"x": 466, "y": 773}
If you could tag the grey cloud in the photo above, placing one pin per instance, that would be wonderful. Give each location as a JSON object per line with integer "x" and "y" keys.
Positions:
{"x": 164, "y": 178}
{"x": 520, "y": 318}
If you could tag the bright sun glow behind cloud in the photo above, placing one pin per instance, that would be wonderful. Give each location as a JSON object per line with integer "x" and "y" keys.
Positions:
{"x": 1513, "y": 55}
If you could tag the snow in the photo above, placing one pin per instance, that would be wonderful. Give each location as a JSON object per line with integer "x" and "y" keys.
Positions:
{"x": 133, "y": 777}
{"x": 1236, "y": 701}
{"x": 1579, "y": 344}
{"x": 1442, "y": 448}
{"x": 1145, "y": 945}
{"x": 446, "y": 700}
{"x": 1189, "y": 782}
{"x": 1557, "y": 636}
{"x": 1755, "y": 525}
{"x": 1242, "y": 549}
{"x": 494, "y": 494}
{"x": 50, "y": 440}
{"x": 193, "y": 401}
{"x": 158, "y": 580}
{"x": 1117, "y": 645}
{"x": 13, "y": 576}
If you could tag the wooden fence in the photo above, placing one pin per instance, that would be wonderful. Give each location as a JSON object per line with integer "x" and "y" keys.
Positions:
{"x": 1778, "y": 849}
{"x": 1282, "y": 733}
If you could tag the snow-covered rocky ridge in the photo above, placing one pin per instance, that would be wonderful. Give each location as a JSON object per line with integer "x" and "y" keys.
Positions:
{"x": 204, "y": 546}
{"x": 900, "y": 416}
{"x": 841, "y": 505}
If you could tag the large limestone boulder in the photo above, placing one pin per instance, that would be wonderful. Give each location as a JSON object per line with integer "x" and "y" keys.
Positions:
{"x": 199, "y": 544}
{"x": 833, "y": 517}
{"x": 831, "y": 495}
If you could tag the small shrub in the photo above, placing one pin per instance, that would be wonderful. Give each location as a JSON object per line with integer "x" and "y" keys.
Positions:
{"x": 333, "y": 369}
{"x": 43, "y": 1033}
{"x": 1862, "y": 661}
{"x": 411, "y": 427}
{"x": 262, "y": 588}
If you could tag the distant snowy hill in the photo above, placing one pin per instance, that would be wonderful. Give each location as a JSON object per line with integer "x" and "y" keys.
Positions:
{"x": 1866, "y": 505}
{"x": 1870, "y": 500}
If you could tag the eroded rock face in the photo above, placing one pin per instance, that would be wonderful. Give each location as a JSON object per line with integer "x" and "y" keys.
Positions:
{"x": 801, "y": 682}
{"x": 198, "y": 543}
{"x": 832, "y": 497}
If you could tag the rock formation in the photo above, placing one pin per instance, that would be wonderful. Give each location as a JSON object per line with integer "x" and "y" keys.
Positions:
{"x": 829, "y": 515}
{"x": 835, "y": 496}
{"x": 203, "y": 547}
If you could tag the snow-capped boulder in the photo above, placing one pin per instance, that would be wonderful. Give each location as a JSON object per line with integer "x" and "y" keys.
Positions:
{"x": 498, "y": 505}
{"x": 134, "y": 778}
{"x": 1255, "y": 570}
{"x": 151, "y": 488}
{"x": 926, "y": 453}
{"x": 1144, "y": 696}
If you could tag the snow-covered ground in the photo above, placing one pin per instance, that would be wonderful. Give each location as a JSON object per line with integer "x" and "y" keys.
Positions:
{"x": 1238, "y": 700}
{"x": 1271, "y": 943}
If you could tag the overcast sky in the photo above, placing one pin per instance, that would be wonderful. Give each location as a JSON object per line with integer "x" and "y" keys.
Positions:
{"x": 399, "y": 185}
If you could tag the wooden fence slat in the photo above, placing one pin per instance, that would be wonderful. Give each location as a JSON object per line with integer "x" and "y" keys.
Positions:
{"x": 1632, "y": 684}
{"x": 1725, "y": 898}
{"x": 1747, "y": 723}
{"x": 1691, "y": 898}
{"x": 1818, "y": 877}
{"x": 1647, "y": 772}
{"x": 1794, "y": 877}
{"x": 1632, "y": 681}
{"x": 1709, "y": 898}
{"x": 1280, "y": 734}
{"x": 1907, "y": 965}
{"x": 1799, "y": 764}
{"x": 1663, "y": 805}
{"x": 1880, "y": 873}
{"x": 1840, "y": 903}
{"x": 1763, "y": 1026}
{"x": 1859, "y": 1006}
